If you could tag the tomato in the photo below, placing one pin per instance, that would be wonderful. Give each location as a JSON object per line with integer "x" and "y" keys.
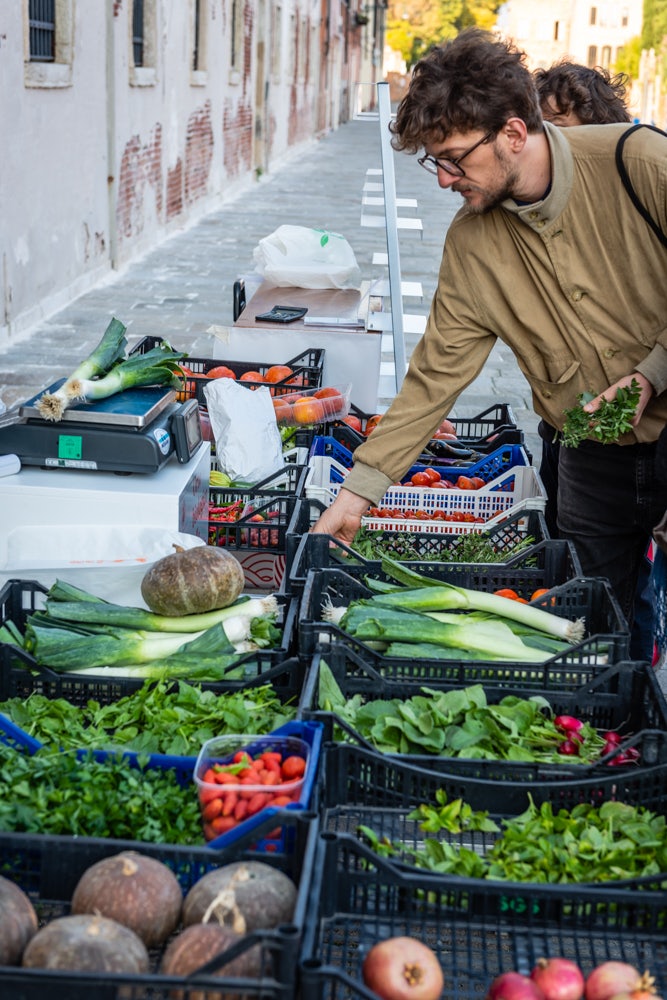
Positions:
{"x": 538, "y": 593}
{"x": 220, "y": 371}
{"x": 433, "y": 475}
{"x": 447, "y": 427}
{"x": 456, "y": 515}
{"x": 439, "y": 515}
{"x": 372, "y": 423}
{"x": 327, "y": 392}
{"x": 420, "y": 479}
{"x": 507, "y": 592}
{"x": 477, "y": 482}
{"x": 308, "y": 410}
{"x": 353, "y": 422}
{"x": 278, "y": 373}
{"x": 421, "y": 515}
{"x": 282, "y": 409}
{"x": 464, "y": 483}
{"x": 293, "y": 768}
{"x": 251, "y": 377}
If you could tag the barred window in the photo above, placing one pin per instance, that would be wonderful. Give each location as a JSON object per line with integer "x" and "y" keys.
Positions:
{"x": 42, "y": 23}
{"x": 138, "y": 32}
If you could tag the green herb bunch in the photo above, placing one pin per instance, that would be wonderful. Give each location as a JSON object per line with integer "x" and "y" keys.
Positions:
{"x": 612, "y": 418}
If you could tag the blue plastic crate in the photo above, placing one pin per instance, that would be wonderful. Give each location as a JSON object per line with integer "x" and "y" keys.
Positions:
{"x": 183, "y": 768}
{"x": 487, "y": 468}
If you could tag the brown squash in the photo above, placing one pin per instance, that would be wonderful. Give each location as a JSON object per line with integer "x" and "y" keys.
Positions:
{"x": 193, "y": 581}
{"x": 136, "y": 890}
{"x": 86, "y": 944}
{"x": 18, "y": 922}
{"x": 197, "y": 945}
{"x": 244, "y": 895}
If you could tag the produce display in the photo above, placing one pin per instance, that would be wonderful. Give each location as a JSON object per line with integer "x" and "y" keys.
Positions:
{"x": 431, "y": 691}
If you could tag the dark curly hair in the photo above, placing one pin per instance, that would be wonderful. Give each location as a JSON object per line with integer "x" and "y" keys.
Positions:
{"x": 592, "y": 94}
{"x": 475, "y": 81}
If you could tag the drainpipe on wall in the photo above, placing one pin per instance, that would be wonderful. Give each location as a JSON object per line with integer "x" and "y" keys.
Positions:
{"x": 112, "y": 185}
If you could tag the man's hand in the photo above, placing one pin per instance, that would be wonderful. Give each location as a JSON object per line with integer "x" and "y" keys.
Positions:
{"x": 343, "y": 518}
{"x": 610, "y": 394}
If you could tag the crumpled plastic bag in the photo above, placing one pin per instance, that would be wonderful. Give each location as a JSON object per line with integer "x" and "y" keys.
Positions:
{"x": 247, "y": 440}
{"x": 307, "y": 258}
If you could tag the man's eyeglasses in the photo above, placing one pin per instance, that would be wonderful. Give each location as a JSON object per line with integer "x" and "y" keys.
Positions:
{"x": 432, "y": 163}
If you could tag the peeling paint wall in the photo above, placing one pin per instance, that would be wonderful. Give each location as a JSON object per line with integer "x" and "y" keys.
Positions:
{"x": 107, "y": 158}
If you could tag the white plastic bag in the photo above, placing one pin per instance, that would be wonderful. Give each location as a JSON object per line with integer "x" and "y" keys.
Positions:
{"x": 307, "y": 258}
{"x": 247, "y": 440}
{"x": 108, "y": 560}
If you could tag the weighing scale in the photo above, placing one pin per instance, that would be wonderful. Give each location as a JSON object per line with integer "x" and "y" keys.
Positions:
{"x": 137, "y": 430}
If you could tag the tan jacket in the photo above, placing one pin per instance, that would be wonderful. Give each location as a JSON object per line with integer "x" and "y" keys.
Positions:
{"x": 575, "y": 285}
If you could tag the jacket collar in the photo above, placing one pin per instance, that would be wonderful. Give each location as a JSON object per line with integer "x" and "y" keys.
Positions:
{"x": 544, "y": 211}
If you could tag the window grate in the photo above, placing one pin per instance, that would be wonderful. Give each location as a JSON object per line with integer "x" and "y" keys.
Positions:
{"x": 138, "y": 32}
{"x": 42, "y": 24}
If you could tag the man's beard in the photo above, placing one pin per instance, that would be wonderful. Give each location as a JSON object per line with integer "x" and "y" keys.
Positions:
{"x": 492, "y": 197}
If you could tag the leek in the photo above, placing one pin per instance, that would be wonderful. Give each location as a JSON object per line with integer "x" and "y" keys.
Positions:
{"x": 63, "y": 649}
{"x": 159, "y": 366}
{"x": 436, "y": 595}
{"x": 110, "y": 349}
{"x": 117, "y": 615}
{"x": 366, "y": 620}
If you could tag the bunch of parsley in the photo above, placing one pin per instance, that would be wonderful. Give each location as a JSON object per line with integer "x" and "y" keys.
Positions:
{"x": 612, "y": 418}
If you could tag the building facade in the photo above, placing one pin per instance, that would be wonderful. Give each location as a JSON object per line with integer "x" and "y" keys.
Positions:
{"x": 587, "y": 31}
{"x": 130, "y": 119}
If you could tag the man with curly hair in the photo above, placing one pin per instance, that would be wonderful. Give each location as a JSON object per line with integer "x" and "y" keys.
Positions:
{"x": 549, "y": 255}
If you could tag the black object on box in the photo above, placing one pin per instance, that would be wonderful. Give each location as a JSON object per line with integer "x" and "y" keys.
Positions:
{"x": 590, "y": 598}
{"x": 20, "y": 674}
{"x": 282, "y": 314}
{"x": 359, "y": 899}
{"x": 625, "y": 697}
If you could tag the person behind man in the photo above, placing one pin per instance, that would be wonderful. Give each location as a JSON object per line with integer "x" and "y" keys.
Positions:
{"x": 572, "y": 94}
{"x": 550, "y": 256}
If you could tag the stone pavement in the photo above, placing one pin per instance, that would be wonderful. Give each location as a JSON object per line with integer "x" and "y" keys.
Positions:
{"x": 182, "y": 287}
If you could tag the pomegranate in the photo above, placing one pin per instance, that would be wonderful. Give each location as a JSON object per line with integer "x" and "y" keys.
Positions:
{"x": 514, "y": 986}
{"x": 558, "y": 978}
{"x": 611, "y": 978}
{"x": 402, "y": 968}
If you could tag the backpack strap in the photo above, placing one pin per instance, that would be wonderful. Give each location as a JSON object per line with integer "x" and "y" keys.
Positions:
{"x": 627, "y": 184}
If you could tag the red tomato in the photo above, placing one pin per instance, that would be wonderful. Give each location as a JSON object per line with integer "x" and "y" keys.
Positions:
{"x": 433, "y": 475}
{"x": 372, "y": 423}
{"x": 220, "y": 371}
{"x": 420, "y": 479}
{"x": 477, "y": 482}
{"x": 353, "y": 422}
{"x": 292, "y": 768}
{"x": 464, "y": 483}
{"x": 456, "y": 515}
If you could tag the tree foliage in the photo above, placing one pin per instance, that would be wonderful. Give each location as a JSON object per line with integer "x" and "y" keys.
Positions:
{"x": 654, "y": 28}
{"x": 415, "y": 26}
{"x": 627, "y": 60}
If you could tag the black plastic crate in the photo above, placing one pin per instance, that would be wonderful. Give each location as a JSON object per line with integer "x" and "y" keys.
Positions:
{"x": 630, "y": 899}
{"x": 582, "y": 597}
{"x": 626, "y": 698}
{"x": 326, "y": 552}
{"x": 358, "y": 901}
{"x": 306, "y": 368}
{"x": 288, "y": 481}
{"x": 258, "y": 538}
{"x": 48, "y": 869}
{"x": 483, "y": 433}
{"x": 21, "y": 675}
